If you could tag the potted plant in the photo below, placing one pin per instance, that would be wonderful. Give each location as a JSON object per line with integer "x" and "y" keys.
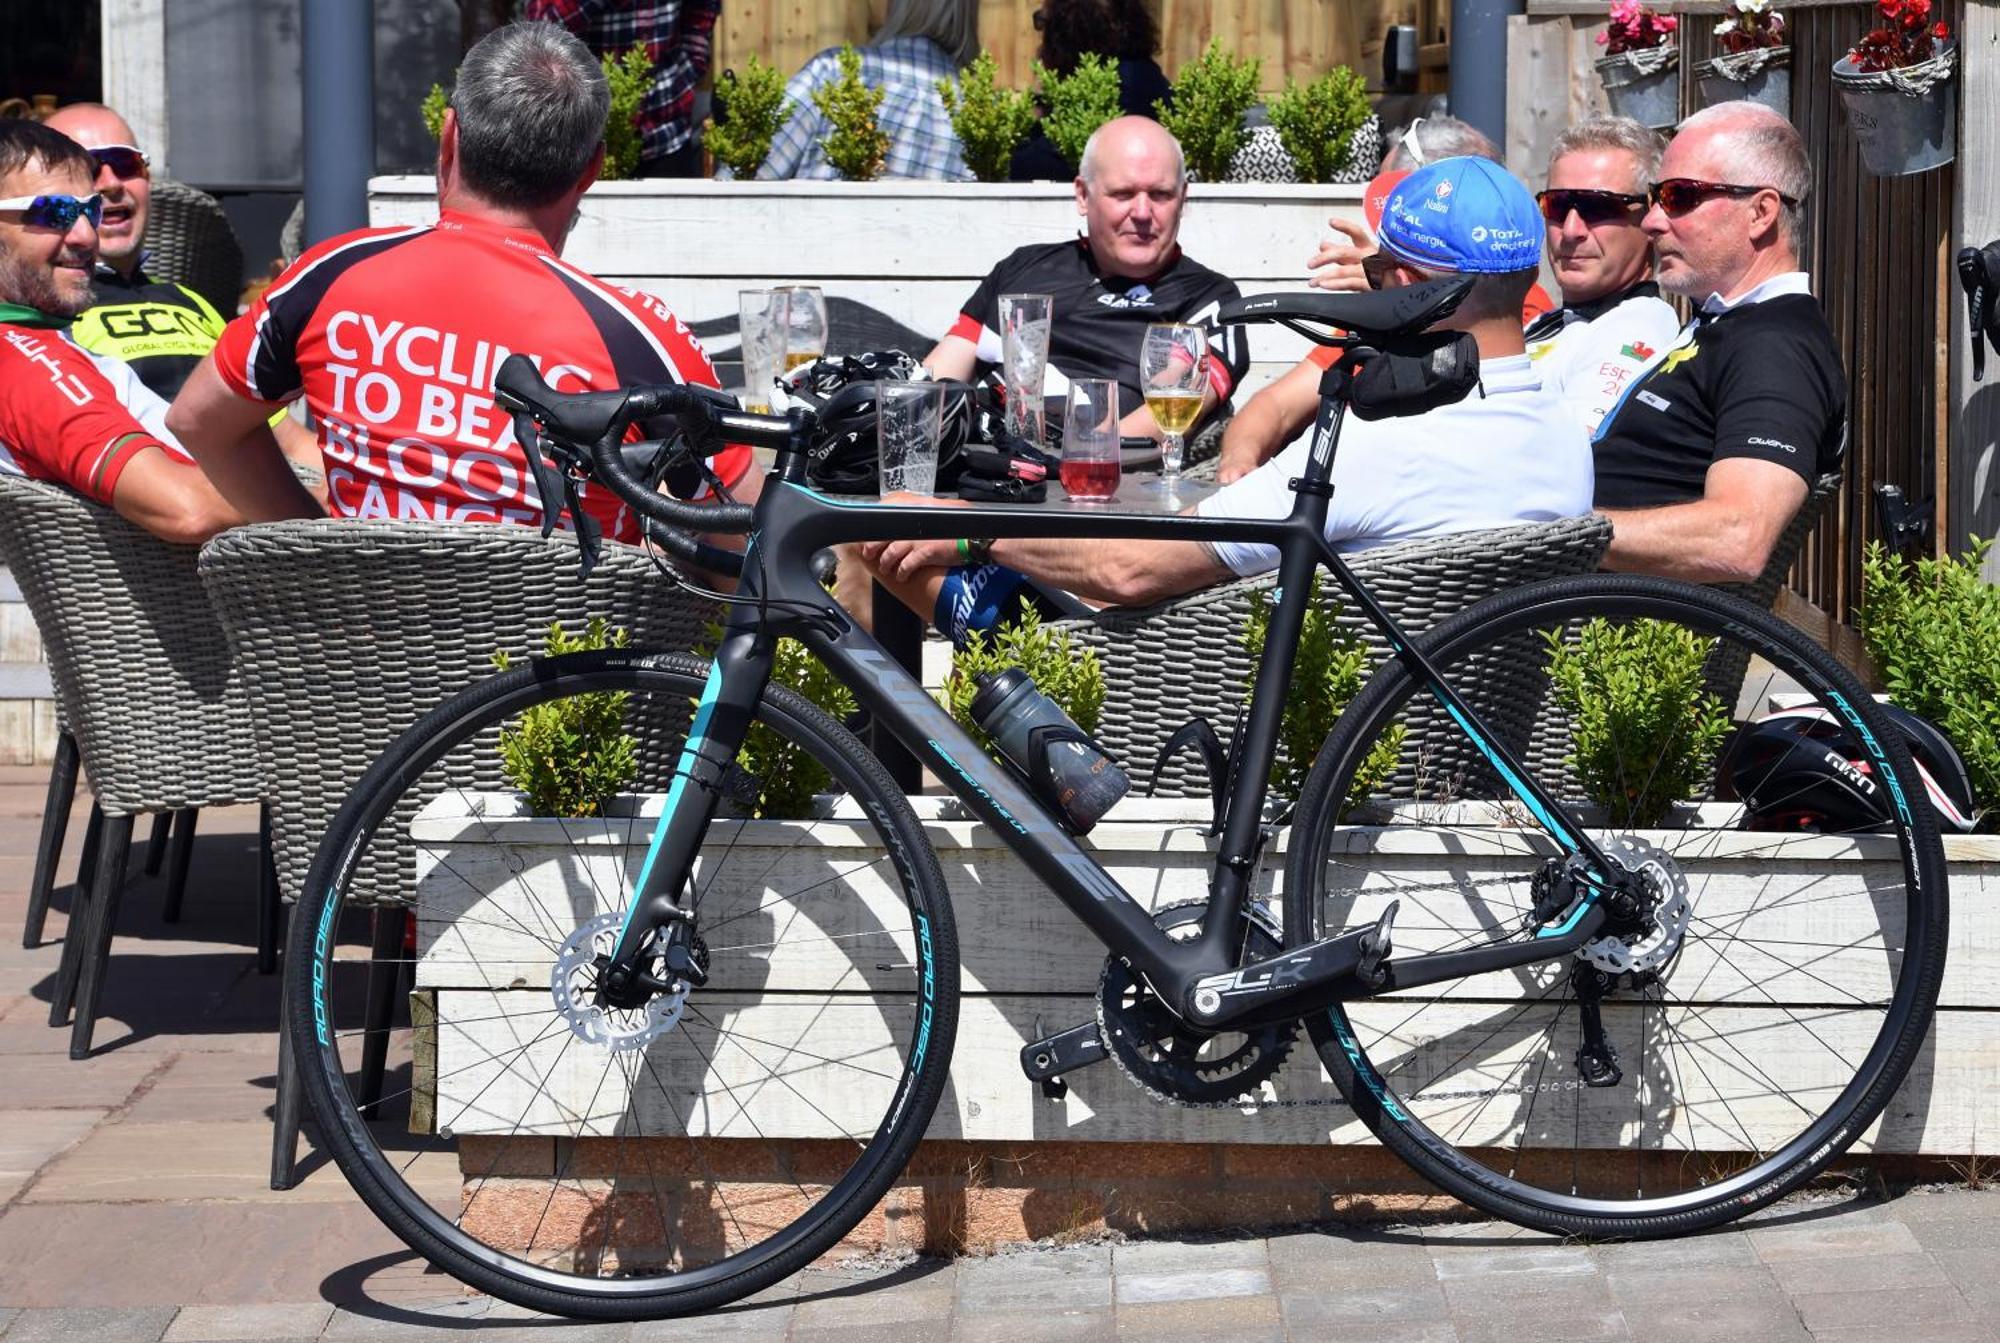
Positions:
{"x": 1205, "y": 112}
{"x": 750, "y": 110}
{"x": 1897, "y": 85}
{"x": 988, "y": 120}
{"x": 1755, "y": 61}
{"x": 1637, "y": 70}
{"x": 1323, "y": 131}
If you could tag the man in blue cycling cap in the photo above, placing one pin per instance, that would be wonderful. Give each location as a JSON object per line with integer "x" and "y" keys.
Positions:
{"x": 1509, "y": 452}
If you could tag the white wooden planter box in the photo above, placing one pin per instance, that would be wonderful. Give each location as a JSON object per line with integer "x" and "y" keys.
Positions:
{"x": 1028, "y": 965}
{"x": 912, "y": 251}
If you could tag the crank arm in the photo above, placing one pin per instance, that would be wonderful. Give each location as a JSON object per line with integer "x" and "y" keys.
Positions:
{"x": 1066, "y": 1051}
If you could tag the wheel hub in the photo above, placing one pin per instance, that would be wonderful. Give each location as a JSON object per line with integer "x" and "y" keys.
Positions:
{"x": 574, "y": 985}
{"x": 1647, "y": 941}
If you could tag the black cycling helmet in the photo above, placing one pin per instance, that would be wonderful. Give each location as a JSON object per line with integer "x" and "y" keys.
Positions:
{"x": 841, "y": 391}
{"x": 1803, "y": 769}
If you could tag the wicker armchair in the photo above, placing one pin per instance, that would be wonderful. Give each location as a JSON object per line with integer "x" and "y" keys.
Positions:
{"x": 1189, "y": 652}
{"x": 190, "y": 242}
{"x": 348, "y": 632}
{"x": 146, "y": 687}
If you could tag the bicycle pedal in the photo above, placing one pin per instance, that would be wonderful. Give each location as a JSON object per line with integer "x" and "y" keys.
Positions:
{"x": 1049, "y": 1058}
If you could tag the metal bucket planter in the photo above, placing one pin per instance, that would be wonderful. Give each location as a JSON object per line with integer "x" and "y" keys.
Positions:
{"x": 1761, "y": 75}
{"x": 1643, "y": 85}
{"x": 1904, "y": 120}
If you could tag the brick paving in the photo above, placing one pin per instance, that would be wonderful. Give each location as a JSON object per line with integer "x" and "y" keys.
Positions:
{"x": 133, "y": 1207}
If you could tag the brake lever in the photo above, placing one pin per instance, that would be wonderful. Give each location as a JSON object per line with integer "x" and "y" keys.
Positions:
{"x": 549, "y": 479}
{"x": 1979, "y": 275}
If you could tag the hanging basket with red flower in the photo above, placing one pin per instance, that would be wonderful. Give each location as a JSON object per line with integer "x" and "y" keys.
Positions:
{"x": 1637, "y": 69}
{"x": 1897, "y": 84}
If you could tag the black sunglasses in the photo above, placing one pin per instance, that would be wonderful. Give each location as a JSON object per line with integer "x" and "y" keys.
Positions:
{"x": 1378, "y": 267}
{"x": 1678, "y": 195}
{"x": 124, "y": 161}
{"x": 1592, "y": 207}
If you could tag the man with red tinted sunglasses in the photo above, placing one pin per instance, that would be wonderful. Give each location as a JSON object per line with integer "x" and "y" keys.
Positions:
{"x": 160, "y": 328}
{"x": 1612, "y": 323}
{"x": 1704, "y": 461}
{"x": 64, "y": 413}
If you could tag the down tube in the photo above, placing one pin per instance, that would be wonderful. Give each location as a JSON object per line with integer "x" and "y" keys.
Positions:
{"x": 1052, "y": 853}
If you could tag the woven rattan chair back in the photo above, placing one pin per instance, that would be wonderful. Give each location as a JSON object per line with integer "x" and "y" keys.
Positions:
{"x": 189, "y": 241}
{"x": 1164, "y": 664}
{"x": 142, "y": 670}
{"x": 349, "y": 632}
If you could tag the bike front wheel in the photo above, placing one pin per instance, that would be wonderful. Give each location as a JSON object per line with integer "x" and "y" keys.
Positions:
{"x": 1769, "y": 975}
{"x": 587, "y": 1160}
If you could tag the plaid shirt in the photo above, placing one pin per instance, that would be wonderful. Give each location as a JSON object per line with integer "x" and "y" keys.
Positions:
{"x": 677, "y": 37}
{"x": 921, "y": 141}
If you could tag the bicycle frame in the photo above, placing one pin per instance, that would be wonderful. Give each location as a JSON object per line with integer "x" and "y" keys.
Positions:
{"x": 1199, "y": 977}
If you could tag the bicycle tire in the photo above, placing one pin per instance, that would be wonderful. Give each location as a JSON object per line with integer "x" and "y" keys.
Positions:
{"x": 1709, "y": 1136}
{"x": 707, "y": 1237}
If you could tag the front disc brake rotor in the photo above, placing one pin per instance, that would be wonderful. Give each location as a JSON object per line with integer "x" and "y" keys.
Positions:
{"x": 573, "y": 984}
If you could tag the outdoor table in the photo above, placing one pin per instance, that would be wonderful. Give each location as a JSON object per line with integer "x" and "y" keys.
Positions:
{"x": 901, "y": 631}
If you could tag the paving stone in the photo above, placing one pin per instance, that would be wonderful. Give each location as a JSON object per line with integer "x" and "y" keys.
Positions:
{"x": 56, "y": 1082}
{"x": 1518, "y": 1262}
{"x": 765, "y": 1321}
{"x": 1572, "y": 1316}
{"x": 29, "y": 1139}
{"x": 1968, "y": 1333}
{"x": 1076, "y": 1278}
{"x": 1716, "y": 1249}
{"x": 211, "y": 1324}
{"x": 1360, "y": 1313}
{"x": 1643, "y": 1290}
{"x": 1315, "y": 1260}
{"x": 907, "y": 1331}
{"x": 98, "y": 1324}
{"x": 1242, "y": 1319}
{"x": 1946, "y": 1204}
{"x": 370, "y": 1322}
{"x": 1030, "y": 1326}
{"x": 884, "y": 1305}
{"x": 1971, "y": 1231}
{"x": 1976, "y": 1274}
{"x": 1860, "y": 1273}
{"x": 1190, "y": 1285}
{"x": 7, "y": 1314}
{"x": 1176, "y": 1256}
{"x": 1835, "y": 1239}
{"x": 192, "y": 1254}
{"x": 210, "y": 1088}
{"x": 1698, "y": 1319}
{"x": 1898, "y": 1310}
{"x": 133, "y": 1162}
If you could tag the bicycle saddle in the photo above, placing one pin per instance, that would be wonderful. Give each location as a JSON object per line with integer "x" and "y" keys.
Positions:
{"x": 1372, "y": 316}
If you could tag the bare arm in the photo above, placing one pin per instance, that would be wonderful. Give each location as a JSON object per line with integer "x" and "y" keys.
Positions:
{"x": 1271, "y": 419}
{"x": 170, "y": 499}
{"x": 953, "y": 358}
{"x": 1338, "y": 260}
{"x": 1118, "y": 573}
{"x": 301, "y": 448}
{"x": 1725, "y": 536}
{"x": 232, "y": 441}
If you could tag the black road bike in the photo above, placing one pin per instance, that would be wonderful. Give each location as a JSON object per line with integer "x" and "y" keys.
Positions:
{"x": 1568, "y": 1020}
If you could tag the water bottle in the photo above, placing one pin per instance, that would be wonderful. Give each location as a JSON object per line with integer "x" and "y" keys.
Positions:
{"x": 1064, "y": 766}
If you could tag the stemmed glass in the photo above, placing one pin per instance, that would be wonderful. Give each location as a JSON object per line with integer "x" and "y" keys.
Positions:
{"x": 1172, "y": 373}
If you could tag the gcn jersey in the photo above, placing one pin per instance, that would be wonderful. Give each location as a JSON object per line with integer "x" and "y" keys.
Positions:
{"x": 394, "y": 337}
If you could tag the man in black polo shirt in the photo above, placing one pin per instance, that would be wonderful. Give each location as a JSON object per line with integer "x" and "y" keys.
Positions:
{"x": 1125, "y": 273}
{"x": 1703, "y": 463}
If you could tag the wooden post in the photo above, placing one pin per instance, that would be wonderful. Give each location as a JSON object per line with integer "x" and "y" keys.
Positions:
{"x": 1973, "y": 474}
{"x": 134, "y": 50}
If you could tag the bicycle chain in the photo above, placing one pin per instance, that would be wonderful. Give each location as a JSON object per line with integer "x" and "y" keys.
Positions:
{"x": 1247, "y": 1106}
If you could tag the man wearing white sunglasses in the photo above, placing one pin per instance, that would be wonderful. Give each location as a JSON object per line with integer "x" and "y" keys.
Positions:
{"x": 64, "y": 413}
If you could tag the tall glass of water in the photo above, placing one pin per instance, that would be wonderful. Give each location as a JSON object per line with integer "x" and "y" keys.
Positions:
{"x": 1173, "y": 374}
{"x": 761, "y": 314}
{"x": 1025, "y": 324}
{"x": 908, "y": 416}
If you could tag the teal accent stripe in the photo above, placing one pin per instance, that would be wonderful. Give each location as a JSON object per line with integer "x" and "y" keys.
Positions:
{"x": 704, "y": 711}
{"x": 1364, "y": 1069}
{"x": 930, "y": 992}
{"x": 322, "y": 951}
{"x": 1513, "y": 780}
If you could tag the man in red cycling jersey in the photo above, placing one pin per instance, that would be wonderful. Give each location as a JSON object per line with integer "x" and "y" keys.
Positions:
{"x": 64, "y": 415}
{"x": 394, "y": 335}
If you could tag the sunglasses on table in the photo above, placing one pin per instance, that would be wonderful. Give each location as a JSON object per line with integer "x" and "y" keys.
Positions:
{"x": 124, "y": 161}
{"x": 1678, "y": 195}
{"x": 1592, "y": 207}
{"x": 54, "y": 211}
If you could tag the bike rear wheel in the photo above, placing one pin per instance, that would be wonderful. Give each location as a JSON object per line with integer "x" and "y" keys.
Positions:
{"x": 1760, "y": 998}
{"x": 606, "y": 1163}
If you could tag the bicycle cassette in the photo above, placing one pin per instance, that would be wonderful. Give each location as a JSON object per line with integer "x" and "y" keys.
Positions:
{"x": 1170, "y": 1059}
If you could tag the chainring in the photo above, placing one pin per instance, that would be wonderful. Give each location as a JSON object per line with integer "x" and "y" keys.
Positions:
{"x": 1165, "y": 1056}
